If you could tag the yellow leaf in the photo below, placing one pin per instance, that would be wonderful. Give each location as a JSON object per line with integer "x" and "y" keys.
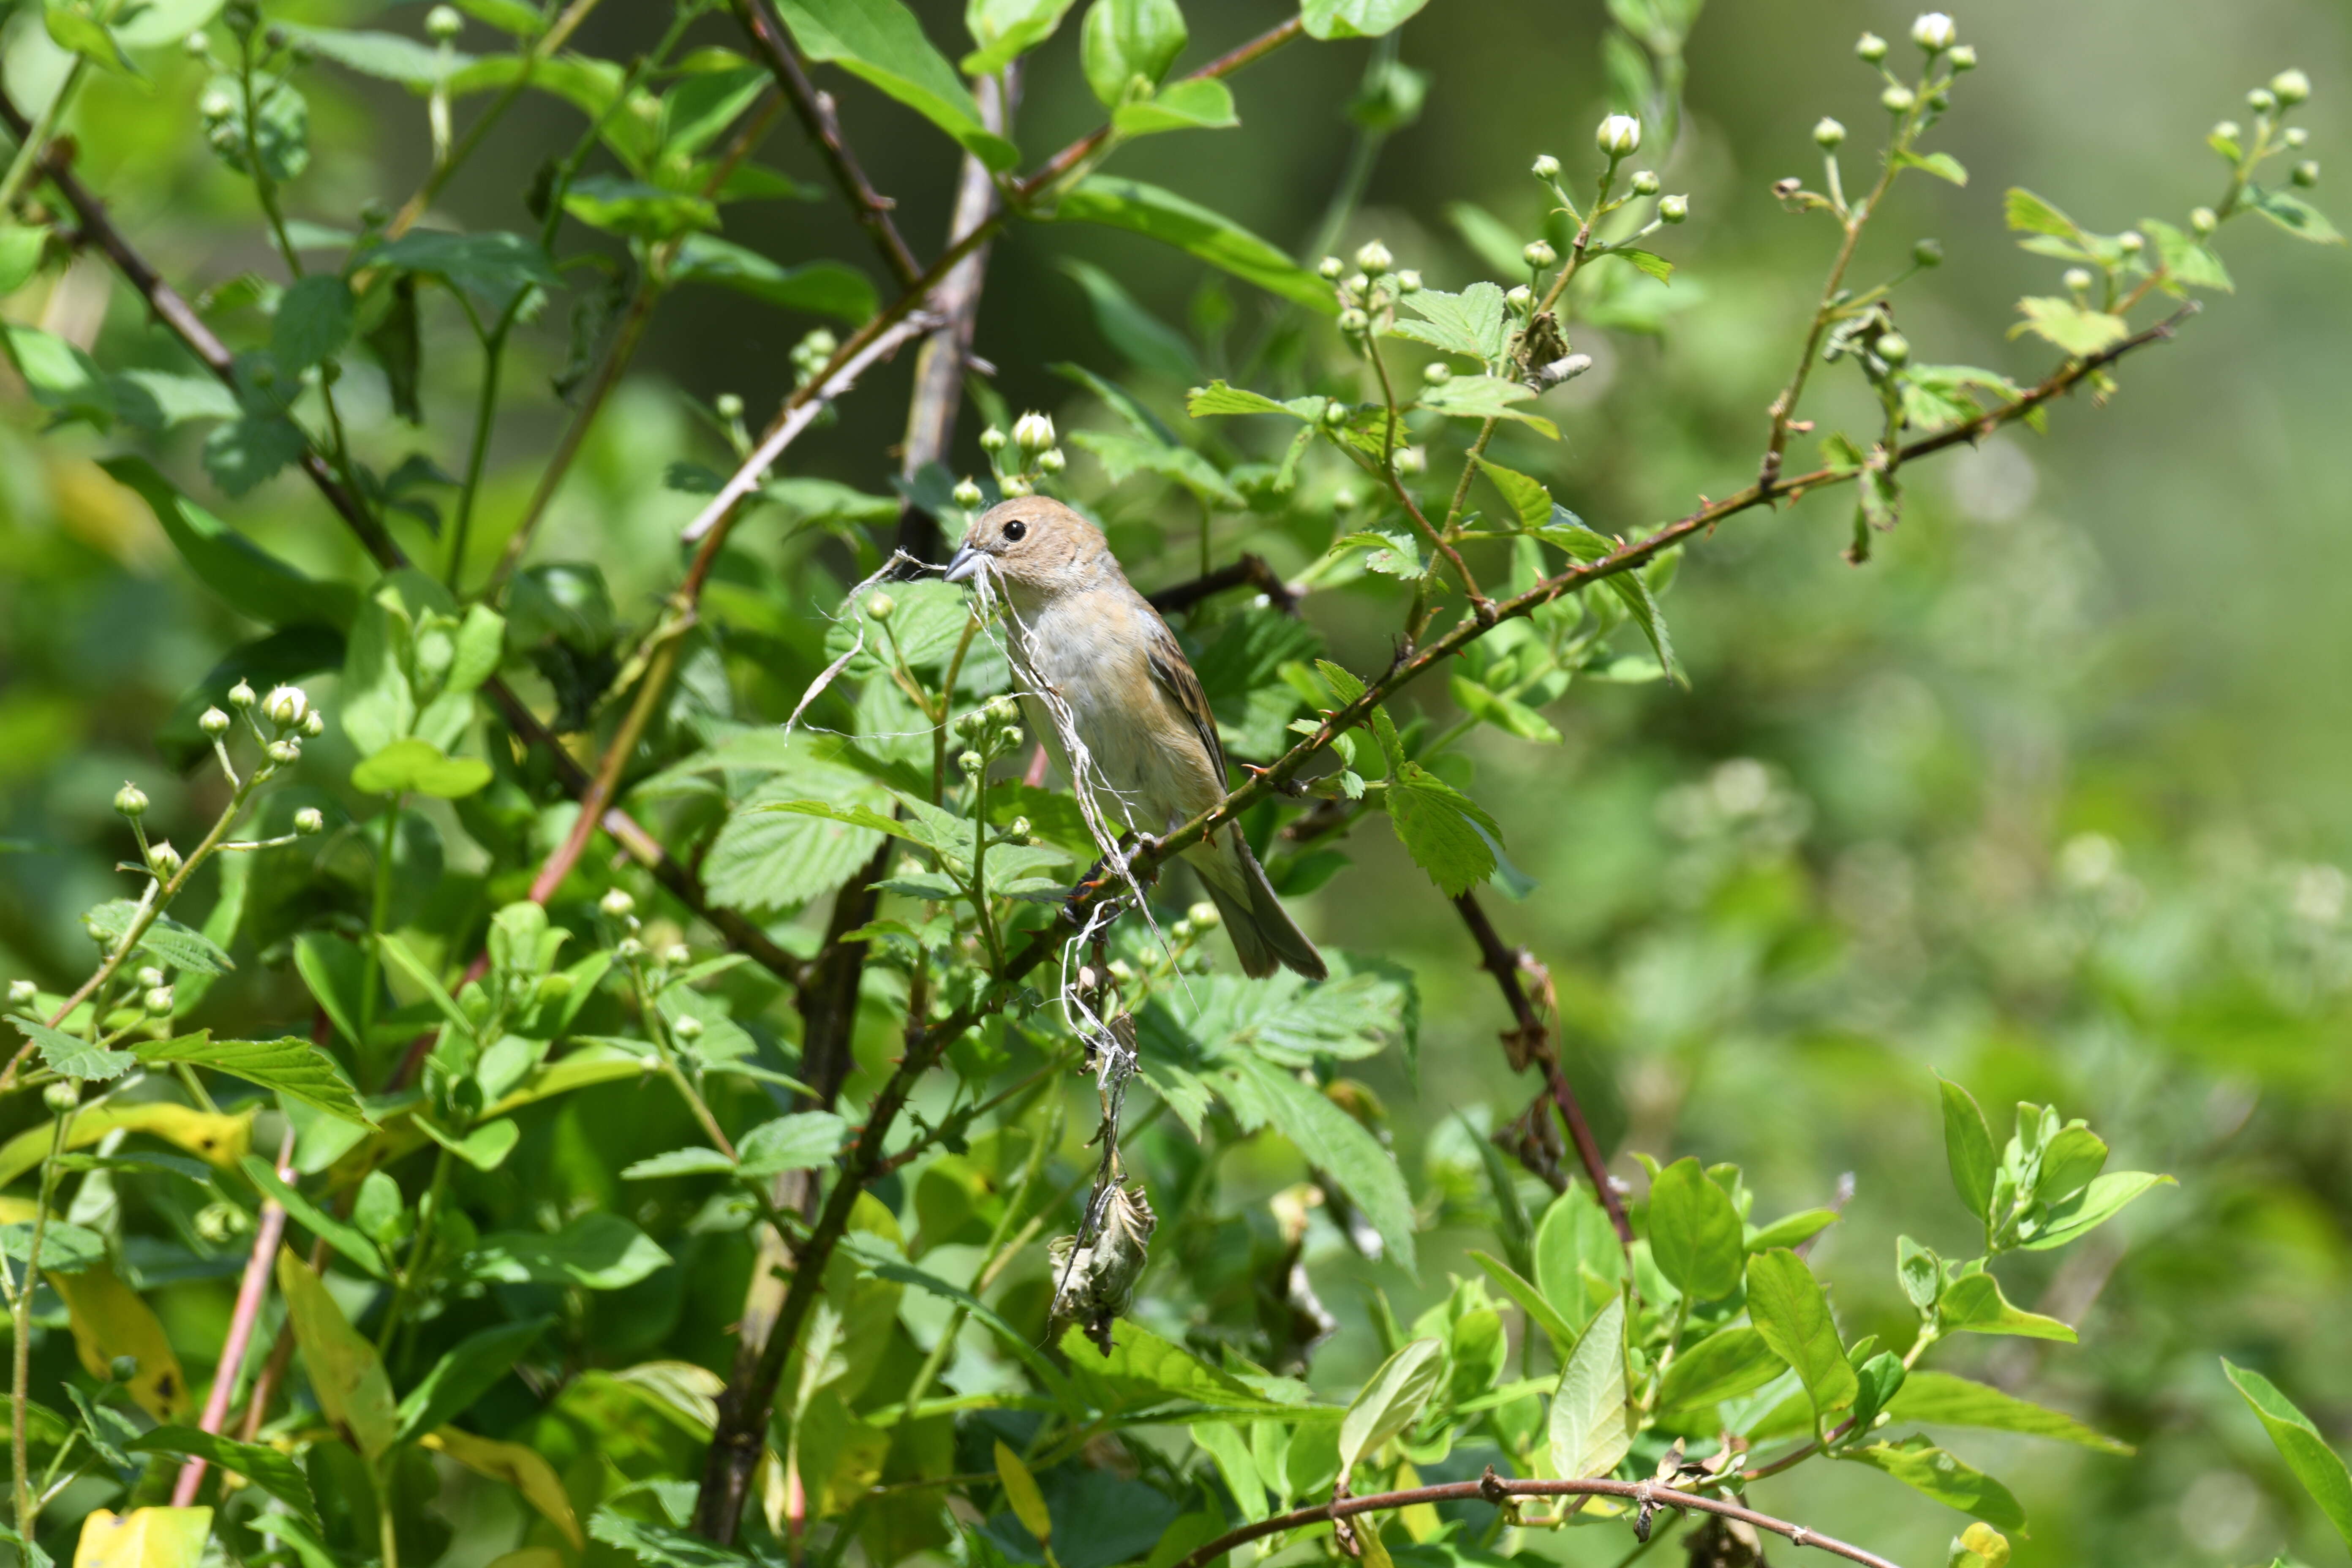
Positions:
{"x": 344, "y": 1372}
{"x": 519, "y": 1468}
{"x": 529, "y": 1557}
{"x": 109, "y": 1321}
{"x": 208, "y": 1135}
{"x": 1021, "y": 1493}
{"x": 143, "y": 1538}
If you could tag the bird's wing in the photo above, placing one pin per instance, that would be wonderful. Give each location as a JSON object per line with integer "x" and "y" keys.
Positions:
{"x": 1173, "y": 672}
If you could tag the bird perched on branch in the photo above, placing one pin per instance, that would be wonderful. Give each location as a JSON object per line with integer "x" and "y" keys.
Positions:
{"x": 1109, "y": 692}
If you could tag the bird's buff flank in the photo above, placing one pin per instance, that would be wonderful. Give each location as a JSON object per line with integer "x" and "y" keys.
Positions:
{"x": 1093, "y": 656}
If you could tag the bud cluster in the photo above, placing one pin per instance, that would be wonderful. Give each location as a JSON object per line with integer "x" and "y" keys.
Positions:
{"x": 1035, "y": 451}
{"x": 992, "y": 729}
{"x": 1368, "y": 296}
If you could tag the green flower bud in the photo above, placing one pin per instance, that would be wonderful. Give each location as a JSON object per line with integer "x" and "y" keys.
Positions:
{"x": 2297, "y": 136}
{"x": 309, "y": 822}
{"x": 282, "y": 752}
{"x": 1374, "y": 257}
{"x": 149, "y": 977}
{"x": 1928, "y": 253}
{"x": 314, "y": 724}
{"x": 2130, "y": 242}
{"x": 1329, "y": 268}
{"x": 1520, "y": 298}
{"x": 1893, "y": 347}
{"x": 2290, "y": 86}
{"x": 2305, "y": 173}
{"x": 1673, "y": 209}
{"x": 1203, "y": 915}
{"x": 971, "y": 763}
{"x": 992, "y": 440}
{"x": 163, "y": 859}
{"x": 1015, "y": 485}
{"x": 1619, "y": 136}
{"x": 1019, "y": 831}
{"x": 1828, "y": 132}
{"x": 2078, "y": 278}
{"x": 285, "y": 706}
{"x": 2204, "y": 221}
{"x": 130, "y": 801}
{"x": 1410, "y": 460}
{"x": 628, "y": 947}
{"x": 1538, "y": 255}
{"x": 22, "y": 992}
{"x": 689, "y": 1027}
{"x": 1934, "y": 32}
{"x": 1052, "y": 461}
{"x": 727, "y": 407}
{"x": 1033, "y": 432}
{"x": 214, "y": 724}
{"x": 1645, "y": 182}
{"x": 678, "y": 955}
{"x": 60, "y": 1098}
{"x": 1546, "y": 167}
{"x": 1437, "y": 372}
{"x": 216, "y": 104}
{"x": 1354, "y": 322}
{"x": 616, "y": 903}
{"x": 123, "y": 1368}
{"x": 1408, "y": 281}
{"x": 157, "y": 1002}
{"x": 1359, "y": 284}
{"x": 1963, "y": 57}
{"x": 1870, "y": 48}
{"x": 1897, "y": 99}
{"x": 2261, "y": 101}
{"x": 2225, "y": 130}
{"x": 196, "y": 46}
{"x": 966, "y": 494}
{"x": 879, "y": 606}
{"x": 1002, "y": 708}
{"x": 444, "y": 23}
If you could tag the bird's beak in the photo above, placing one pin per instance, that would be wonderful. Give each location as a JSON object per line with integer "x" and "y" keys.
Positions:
{"x": 966, "y": 564}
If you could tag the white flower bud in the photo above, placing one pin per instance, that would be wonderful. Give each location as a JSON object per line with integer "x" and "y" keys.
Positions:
{"x": 314, "y": 723}
{"x": 879, "y": 606}
{"x": 616, "y": 903}
{"x": 727, "y": 407}
{"x": 1374, "y": 257}
{"x": 2204, "y": 221}
{"x": 196, "y": 45}
{"x": 1015, "y": 485}
{"x": 2261, "y": 101}
{"x": 130, "y": 801}
{"x": 1203, "y": 915}
{"x": 285, "y": 706}
{"x": 628, "y": 947}
{"x": 1673, "y": 209}
{"x": 1619, "y": 136}
{"x": 1033, "y": 432}
{"x": 1354, "y": 322}
{"x": 216, "y": 104}
{"x": 678, "y": 955}
{"x": 1019, "y": 831}
{"x": 2130, "y": 242}
{"x": 2078, "y": 278}
{"x": 2225, "y": 130}
{"x": 1897, "y": 99}
{"x": 163, "y": 859}
{"x": 992, "y": 440}
{"x": 2305, "y": 173}
{"x": 1520, "y": 298}
{"x": 1343, "y": 499}
{"x": 1546, "y": 167}
{"x": 2297, "y": 136}
{"x": 1408, "y": 281}
{"x": 157, "y": 1000}
{"x": 309, "y": 822}
{"x": 967, "y": 494}
{"x": 689, "y": 1027}
{"x": 1828, "y": 132}
{"x": 214, "y": 724}
{"x": 1870, "y": 48}
{"x": 1963, "y": 57}
{"x": 1329, "y": 268}
{"x": 22, "y": 992}
{"x": 1893, "y": 347}
{"x": 2290, "y": 86}
{"x": 1934, "y": 32}
{"x": 1052, "y": 461}
{"x": 149, "y": 977}
{"x": 1538, "y": 255}
{"x": 1645, "y": 182}
{"x": 1359, "y": 284}
{"x": 240, "y": 695}
{"x": 444, "y": 23}
{"x": 1410, "y": 460}
{"x": 1437, "y": 372}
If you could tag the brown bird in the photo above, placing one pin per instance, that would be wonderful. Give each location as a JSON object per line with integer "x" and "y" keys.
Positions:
{"x": 1100, "y": 668}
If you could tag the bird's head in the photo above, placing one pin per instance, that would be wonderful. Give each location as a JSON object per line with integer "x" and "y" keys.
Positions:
{"x": 1033, "y": 544}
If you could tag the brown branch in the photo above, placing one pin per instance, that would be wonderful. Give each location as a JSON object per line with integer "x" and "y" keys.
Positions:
{"x": 1530, "y": 1041}
{"x": 251, "y": 1291}
{"x": 1086, "y": 146}
{"x": 867, "y": 205}
{"x": 1250, "y": 571}
{"x": 1493, "y": 1488}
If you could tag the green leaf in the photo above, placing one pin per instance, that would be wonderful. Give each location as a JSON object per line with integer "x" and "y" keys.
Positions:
{"x": 387, "y": 56}
{"x": 74, "y": 1057}
{"x": 1205, "y": 104}
{"x": 2078, "y": 331}
{"x": 345, "y": 1375}
{"x": 1390, "y": 1400}
{"x": 1366, "y": 1007}
{"x": 494, "y": 267}
{"x": 772, "y": 861}
{"x": 2318, "y": 1467}
{"x": 2186, "y": 259}
{"x": 1968, "y": 1148}
{"x": 66, "y": 1248}
{"x": 821, "y": 287}
{"x": 1330, "y": 1140}
{"x": 252, "y": 449}
{"x": 689, "y": 1162}
{"x": 414, "y": 766}
{"x": 1921, "y": 1466}
{"x": 1789, "y": 1309}
{"x": 1974, "y": 1302}
{"x": 20, "y": 255}
{"x": 1122, "y": 456}
{"x": 1576, "y": 1243}
{"x": 1168, "y": 217}
{"x": 1943, "y": 165}
{"x": 801, "y": 1142}
{"x": 1007, "y": 29}
{"x": 471, "y": 1368}
{"x": 881, "y": 42}
{"x": 1484, "y": 397}
{"x": 1126, "y": 46}
{"x": 889, "y": 1266}
{"x": 398, "y": 954}
{"x": 1657, "y": 266}
{"x": 1140, "y": 338}
{"x": 274, "y": 1472}
{"x": 1144, "y": 1370}
{"x": 619, "y": 205}
{"x": 165, "y": 940}
{"x": 2092, "y": 1207}
{"x": 61, "y": 378}
{"x": 1589, "y": 1433}
{"x": 1540, "y": 1312}
{"x": 485, "y": 1148}
{"x": 1218, "y": 398}
{"x": 1694, "y": 1232}
{"x": 1941, "y": 1399}
{"x": 1527, "y": 498}
{"x": 2029, "y": 214}
{"x": 660, "y": 1546}
{"x": 344, "y": 1238}
{"x": 1448, "y": 835}
{"x": 159, "y": 400}
{"x": 1724, "y": 1365}
{"x": 1356, "y": 18}
{"x": 598, "y": 1251}
{"x": 251, "y": 581}
{"x": 1633, "y": 588}
{"x": 1505, "y": 713}
{"x": 1793, "y": 1230}
{"x": 2297, "y": 216}
{"x": 292, "y": 1066}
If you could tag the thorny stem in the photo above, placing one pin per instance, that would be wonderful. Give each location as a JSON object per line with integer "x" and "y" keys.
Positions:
{"x": 1395, "y": 482}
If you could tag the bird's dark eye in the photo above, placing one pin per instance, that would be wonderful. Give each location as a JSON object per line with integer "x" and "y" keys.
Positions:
{"x": 1014, "y": 529}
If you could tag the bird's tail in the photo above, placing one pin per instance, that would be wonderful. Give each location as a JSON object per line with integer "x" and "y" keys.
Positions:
{"x": 1264, "y": 933}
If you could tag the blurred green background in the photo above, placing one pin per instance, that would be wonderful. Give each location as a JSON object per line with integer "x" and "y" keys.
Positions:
{"x": 2052, "y": 797}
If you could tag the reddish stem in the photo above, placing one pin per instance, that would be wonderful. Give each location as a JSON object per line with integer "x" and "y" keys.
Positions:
{"x": 251, "y": 1292}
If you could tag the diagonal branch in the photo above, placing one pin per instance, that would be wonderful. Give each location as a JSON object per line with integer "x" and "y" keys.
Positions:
{"x": 1493, "y": 1488}
{"x": 1250, "y": 571}
{"x": 1531, "y": 1041}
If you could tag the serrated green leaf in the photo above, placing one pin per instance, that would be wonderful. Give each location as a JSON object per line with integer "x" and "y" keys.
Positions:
{"x": 73, "y": 1057}
{"x": 2297, "y": 216}
{"x": 2081, "y": 331}
{"x": 291, "y": 1067}
{"x": 1447, "y": 834}
{"x": 881, "y": 42}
